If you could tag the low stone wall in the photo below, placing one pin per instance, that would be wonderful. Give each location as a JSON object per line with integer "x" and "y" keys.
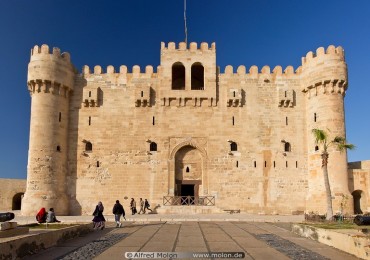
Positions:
{"x": 350, "y": 241}
{"x": 18, "y": 247}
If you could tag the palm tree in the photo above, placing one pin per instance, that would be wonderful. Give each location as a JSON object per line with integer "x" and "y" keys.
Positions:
{"x": 321, "y": 138}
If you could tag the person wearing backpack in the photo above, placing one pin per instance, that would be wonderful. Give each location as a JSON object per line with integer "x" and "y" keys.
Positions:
{"x": 118, "y": 211}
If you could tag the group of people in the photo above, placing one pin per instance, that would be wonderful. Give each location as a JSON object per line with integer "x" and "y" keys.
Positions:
{"x": 99, "y": 220}
{"x": 144, "y": 205}
{"x": 46, "y": 217}
{"x": 118, "y": 211}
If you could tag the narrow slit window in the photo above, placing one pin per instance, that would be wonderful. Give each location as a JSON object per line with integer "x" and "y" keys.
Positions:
{"x": 58, "y": 148}
{"x": 233, "y": 147}
{"x": 274, "y": 164}
{"x": 314, "y": 117}
{"x": 287, "y": 147}
{"x": 89, "y": 93}
{"x": 153, "y": 147}
{"x": 60, "y": 116}
{"x": 286, "y": 120}
{"x": 142, "y": 93}
{"x": 296, "y": 164}
{"x": 89, "y": 120}
{"x": 233, "y": 121}
{"x": 234, "y": 93}
{"x": 237, "y": 164}
{"x": 255, "y": 164}
{"x": 286, "y": 164}
{"x": 265, "y": 164}
{"x": 153, "y": 122}
{"x": 97, "y": 164}
{"x": 88, "y": 147}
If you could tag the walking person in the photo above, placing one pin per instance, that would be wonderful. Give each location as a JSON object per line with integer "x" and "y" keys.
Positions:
{"x": 133, "y": 206}
{"x": 118, "y": 211}
{"x": 142, "y": 209}
{"x": 99, "y": 220}
{"x": 147, "y": 205}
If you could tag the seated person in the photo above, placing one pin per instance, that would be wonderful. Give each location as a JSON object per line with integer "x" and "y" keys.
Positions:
{"x": 41, "y": 216}
{"x": 51, "y": 216}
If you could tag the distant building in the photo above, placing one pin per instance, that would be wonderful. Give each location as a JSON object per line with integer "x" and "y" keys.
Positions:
{"x": 221, "y": 140}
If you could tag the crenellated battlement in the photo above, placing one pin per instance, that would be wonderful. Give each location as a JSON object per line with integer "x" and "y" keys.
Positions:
{"x": 45, "y": 50}
{"x": 320, "y": 54}
{"x": 265, "y": 70}
{"x": 193, "y": 46}
{"x": 110, "y": 70}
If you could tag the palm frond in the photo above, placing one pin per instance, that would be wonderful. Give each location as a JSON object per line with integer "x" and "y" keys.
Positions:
{"x": 320, "y": 135}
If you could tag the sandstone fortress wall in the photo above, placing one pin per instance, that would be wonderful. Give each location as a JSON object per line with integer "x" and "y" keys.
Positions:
{"x": 240, "y": 136}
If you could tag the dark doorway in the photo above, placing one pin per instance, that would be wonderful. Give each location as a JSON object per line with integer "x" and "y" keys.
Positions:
{"x": 17, "y": 200}
{"x": 187, "y": 190}
{"x": 357, "y": 201}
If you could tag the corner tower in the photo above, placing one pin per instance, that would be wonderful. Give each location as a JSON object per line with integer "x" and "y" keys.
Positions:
{"x": 324, "y": 78}
{"x": 50, "y": 82}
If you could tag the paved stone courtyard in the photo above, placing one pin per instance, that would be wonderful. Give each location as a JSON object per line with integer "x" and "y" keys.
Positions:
{"x": 257, "y": 240}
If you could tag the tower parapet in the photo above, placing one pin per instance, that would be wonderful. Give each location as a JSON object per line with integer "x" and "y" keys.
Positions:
{"x": 50, "y": 81}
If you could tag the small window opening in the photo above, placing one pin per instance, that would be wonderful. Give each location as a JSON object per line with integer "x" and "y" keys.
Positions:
{"x": 255, "y": 164}
{"x": 233, "y": 121}
{"x": 97, "y": 164}
{"x": 316, "y": 148}
{"x": 60, "y": 116}
{"x": 314, "y": 117}
{"x": 237, "y": 164}
{"x": 285, "y": 93}
{"x": 89, "y": 120}
{"x": 287, "y": 147}
{"x": 58, "y": 148}
{"x": 233, "y": 147}
{"x": 153, "y": 122}
{"x": 142, "y": 93}
{"x": 265, "y": 164}
{"x": 88, "y": 147}
{"x": 286, "y": 120}
{"x": 274, "y": 164}
{"x": 153, "y": 147}
{"x": 178, "y": 76}
{"x": 234, "y": 93}
{"x": 286, "y": 164}
{"x": 89, "y": 93}
{"x": 296, "y": 164}
{"x": 197, "y": 76}
{"x": 187, "y": 169}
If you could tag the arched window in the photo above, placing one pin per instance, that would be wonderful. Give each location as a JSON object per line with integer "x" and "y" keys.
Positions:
{"x": 58, "y": 148}
{"x": 187, "y": 169}
{"x": 88, "y": 147}
{"x": 178, "y": 76}
{"x": 233, "y": 147}
{"x": 197, "y": 76}
{"x": 287, "y": 147}
{"x": 316, "y": 148}
{"x": 153, "y": 147}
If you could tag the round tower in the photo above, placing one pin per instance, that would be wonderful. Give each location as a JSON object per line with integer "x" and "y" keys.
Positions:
{"x": 50, "y": 82}
{"x": 324, "y": 79}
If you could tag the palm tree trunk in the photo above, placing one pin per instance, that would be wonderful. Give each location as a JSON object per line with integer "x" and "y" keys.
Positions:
{"x": 329, "y": 206}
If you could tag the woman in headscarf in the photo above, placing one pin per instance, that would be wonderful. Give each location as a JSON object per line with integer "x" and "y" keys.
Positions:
{"x": 41, "y": 216}
{"x": 99, "y": 220}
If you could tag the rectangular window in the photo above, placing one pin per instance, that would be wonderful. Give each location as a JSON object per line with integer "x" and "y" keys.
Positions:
{"x": 255, "y": 164}
{"x": 286, "y": 120}
{"x": 89, "y": 120}
{"x": 60, "y": 116}
{"x": 153, "y": 120}
{"x": 233, "y": 121}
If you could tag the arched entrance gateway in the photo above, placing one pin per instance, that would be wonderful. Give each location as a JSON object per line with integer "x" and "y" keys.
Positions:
{"x": 188, "y": 180}
{"x": 357, "y": 201}
{"x": 188, "y": 173}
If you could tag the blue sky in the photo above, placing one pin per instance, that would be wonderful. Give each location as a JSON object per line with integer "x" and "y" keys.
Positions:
{"x": 126, "y": 32}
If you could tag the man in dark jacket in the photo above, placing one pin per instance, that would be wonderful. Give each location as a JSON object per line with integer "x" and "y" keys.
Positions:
{"x": 118, "y": 211}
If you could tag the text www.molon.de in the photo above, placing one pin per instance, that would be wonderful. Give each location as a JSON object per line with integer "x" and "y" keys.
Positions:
{"x": 182, "y": 255}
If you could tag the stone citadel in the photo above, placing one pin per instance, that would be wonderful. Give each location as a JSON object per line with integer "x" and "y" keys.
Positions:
{"x": 188, "y": 133}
